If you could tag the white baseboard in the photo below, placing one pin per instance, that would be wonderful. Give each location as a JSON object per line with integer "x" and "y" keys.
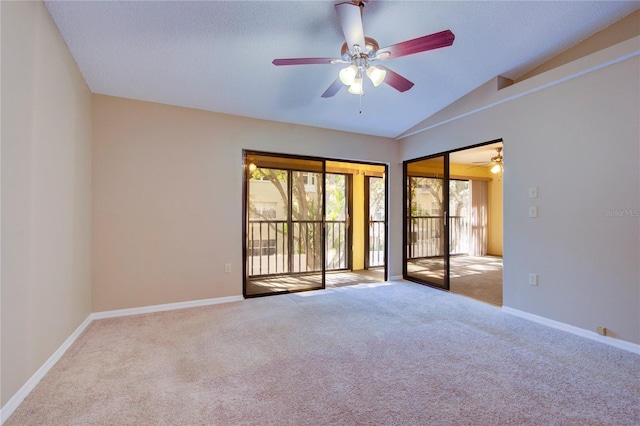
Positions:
{"x": 620, "y": 344}
{"x": 396, "y": 278}
{"x": 165, "y": 307}
{"x": 16, "y": 400}
{"x": 7, "y": 410}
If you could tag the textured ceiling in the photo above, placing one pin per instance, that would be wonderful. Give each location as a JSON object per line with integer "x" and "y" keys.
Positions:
{"x": 217, "y": 55}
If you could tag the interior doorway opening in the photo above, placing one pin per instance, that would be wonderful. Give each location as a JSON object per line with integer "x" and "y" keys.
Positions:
{"x": 311, "y": 223}
{"x": 453, "y": 221}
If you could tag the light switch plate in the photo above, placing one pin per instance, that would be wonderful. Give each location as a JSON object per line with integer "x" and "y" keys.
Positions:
{"x": 533, "y": 192}
{"x": 533, "y": 211}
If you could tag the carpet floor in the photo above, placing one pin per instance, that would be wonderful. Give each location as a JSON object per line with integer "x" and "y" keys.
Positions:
{"x": 477, "y": 277}
{"x": 376, "y": 354}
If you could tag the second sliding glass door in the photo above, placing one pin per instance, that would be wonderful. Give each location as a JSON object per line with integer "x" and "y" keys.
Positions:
{"x": 427, "y": 221}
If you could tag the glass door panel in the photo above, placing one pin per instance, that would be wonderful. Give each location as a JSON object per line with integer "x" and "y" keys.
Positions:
{"x": 375, "y": 222}
{"x": 268, "y": 239}
{"x": 426, "y": 221}
{"x": 337, "y": 222}
{"x": 284, "y": 228}
{"x": 307, "y": 189}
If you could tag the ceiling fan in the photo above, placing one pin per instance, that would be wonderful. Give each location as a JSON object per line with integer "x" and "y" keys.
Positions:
{"x": 360, "y": 52}
{"x": 497, "y": 162}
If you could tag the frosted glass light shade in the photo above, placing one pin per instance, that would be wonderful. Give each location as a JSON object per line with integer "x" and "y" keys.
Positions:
{"x": 376, "y": 75}
{"x": 356, "y": 86}
{"x": 348, "y": 74}
{"x": 496, "y": 169}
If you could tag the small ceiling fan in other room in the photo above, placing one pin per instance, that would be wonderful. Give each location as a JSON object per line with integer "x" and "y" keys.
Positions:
{"x": 497, "y": 161}
{"x": 361, "y": 54}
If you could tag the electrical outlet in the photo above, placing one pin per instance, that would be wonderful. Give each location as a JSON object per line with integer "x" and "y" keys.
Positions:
{"x": 533, "y": 279}
{"x": 227, "y": 268}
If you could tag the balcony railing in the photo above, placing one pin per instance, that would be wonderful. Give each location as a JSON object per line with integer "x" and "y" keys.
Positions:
{"x": 272, "y": 250}
{"x": 425, "y": 235}
{"x": 336, "y": 245}
{"x": 376, "y": 243}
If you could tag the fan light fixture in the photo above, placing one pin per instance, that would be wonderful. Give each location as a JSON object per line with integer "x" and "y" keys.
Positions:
{"x": 376, "y": 75}
{"x": 356, "y": 87}
{"x": 498, "y": 161}
{"x": 352, "y": 75}
{"x": 348, "y": 74}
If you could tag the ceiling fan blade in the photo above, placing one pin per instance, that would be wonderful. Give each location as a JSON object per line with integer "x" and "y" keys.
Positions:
{"x": 395, "y": 80}
{"x": 350, "y": 17}
{"x": 333, "y": 89}
{"x": 417, "y": 45}
{"x": 305, "y": 61}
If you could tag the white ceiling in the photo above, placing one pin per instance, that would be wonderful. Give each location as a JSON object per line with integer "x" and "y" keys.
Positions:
{"x": 217, "y": 55}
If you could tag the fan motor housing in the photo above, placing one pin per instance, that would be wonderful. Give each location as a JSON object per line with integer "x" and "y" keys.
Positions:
{"x": 370, "y": 48}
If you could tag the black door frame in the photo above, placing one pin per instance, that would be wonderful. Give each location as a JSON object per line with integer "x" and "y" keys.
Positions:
{"x": 445, "y": 215}
{"x": 445, "y": 191}
{"x": 245, "y": 217}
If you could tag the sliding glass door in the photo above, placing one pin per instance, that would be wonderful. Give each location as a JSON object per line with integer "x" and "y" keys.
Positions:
{"x": 305, "y": 218}
{"x": 426, "y": 225}
{"x": 285, "y": 238}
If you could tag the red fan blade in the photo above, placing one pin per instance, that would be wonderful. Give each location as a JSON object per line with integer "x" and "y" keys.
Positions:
{"x": 304, "y": 61}
{"x": 350, "y": 17}
{"x": 333, "y": 89}
{"x": 395, "y": 80}
{"x": 417, "y": 45}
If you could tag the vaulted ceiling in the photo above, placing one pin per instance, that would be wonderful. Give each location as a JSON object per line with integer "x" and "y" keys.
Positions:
{"x": 217, "y": 55}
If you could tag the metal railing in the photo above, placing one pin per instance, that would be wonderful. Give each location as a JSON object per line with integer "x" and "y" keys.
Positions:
{"x": 425, "y": 236}
{"x": 376, "y": 243}
{"x": 267, "y": 247}
{"x": 306, "y": 255}
{"x": 273, "y": 250}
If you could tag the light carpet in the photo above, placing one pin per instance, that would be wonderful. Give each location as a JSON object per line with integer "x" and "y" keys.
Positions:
{"x": 477, "y": 277}
{"x": 394, "y": 353}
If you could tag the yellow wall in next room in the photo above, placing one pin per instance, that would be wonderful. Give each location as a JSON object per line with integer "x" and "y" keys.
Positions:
{"x": 494, "y": 245}
{"x": 358, "y": 222}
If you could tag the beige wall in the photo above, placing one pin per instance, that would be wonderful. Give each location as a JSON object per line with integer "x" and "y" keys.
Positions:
{"x": 168, "y": 196}
{"x": 46, "y": 193}
{"x": 622, "y": 30}
{"x": 575, "y": 136}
